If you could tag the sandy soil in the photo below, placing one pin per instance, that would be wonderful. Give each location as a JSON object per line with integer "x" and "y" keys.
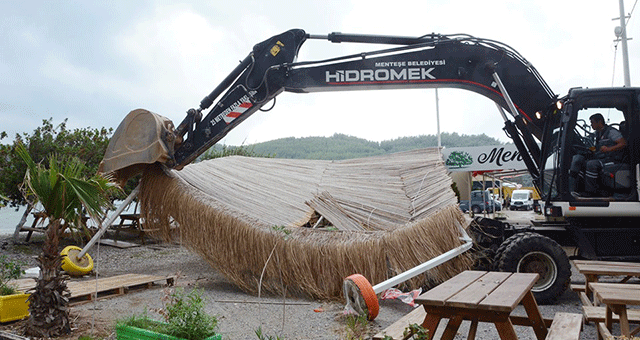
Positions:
{"x": 239, "y": 314}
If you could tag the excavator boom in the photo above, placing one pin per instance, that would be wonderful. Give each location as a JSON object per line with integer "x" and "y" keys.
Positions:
{"x": 430, "y": 61}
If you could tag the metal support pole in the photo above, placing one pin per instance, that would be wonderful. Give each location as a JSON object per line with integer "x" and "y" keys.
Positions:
{"x": 438, "y": 120}
{"x": 501, "y": 110}
{"x": 438, "y": 260}
{"x": 625, "y": 53}
{"x": 105, "y": 225}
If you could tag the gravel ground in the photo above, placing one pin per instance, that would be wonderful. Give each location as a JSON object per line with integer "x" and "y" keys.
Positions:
{"x": 239, "y": 314}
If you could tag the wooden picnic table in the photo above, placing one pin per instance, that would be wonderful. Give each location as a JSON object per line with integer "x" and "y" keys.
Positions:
{"x": 481, "y": 296}
{"x": 130, "y": 222}
{"x": 616, "y": 296}
{"x": 592, "y": 270}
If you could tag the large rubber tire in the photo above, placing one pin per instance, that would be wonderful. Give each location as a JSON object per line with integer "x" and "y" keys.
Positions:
{"x": 498, "y": 254}
{"x": 476, "y": 209}
{"x": 534, "y": 253}
{"x": 360, "y": 296}
{"x": 72, "y": 264}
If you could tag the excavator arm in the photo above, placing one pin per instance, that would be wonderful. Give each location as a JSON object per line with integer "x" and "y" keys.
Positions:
{"x": 487, "y": 67}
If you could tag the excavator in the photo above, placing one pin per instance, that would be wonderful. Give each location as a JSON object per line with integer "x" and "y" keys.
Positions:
{"x": 547, "y": 130}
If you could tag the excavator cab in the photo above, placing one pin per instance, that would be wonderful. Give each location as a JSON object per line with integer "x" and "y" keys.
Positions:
{"x": 576, "y": 139}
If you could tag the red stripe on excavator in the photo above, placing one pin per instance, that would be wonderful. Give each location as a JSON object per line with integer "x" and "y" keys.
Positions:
{"x": 236, "y": 114}
{"x": 429, "y": 81}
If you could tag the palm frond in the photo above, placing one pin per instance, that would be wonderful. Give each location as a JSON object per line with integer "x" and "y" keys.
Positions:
{"x": 62, "y": 191}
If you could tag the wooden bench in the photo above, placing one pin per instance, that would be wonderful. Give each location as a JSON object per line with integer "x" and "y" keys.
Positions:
{"x": 565, "y": 326}
{"x": 597, "y": 314}
{"x": 39, "y": 219}
{"x": 592, "y": 270}
{"x": 129, "y": 222}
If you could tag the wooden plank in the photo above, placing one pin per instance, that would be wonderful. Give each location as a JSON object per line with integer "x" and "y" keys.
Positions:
{"x": 565, "y": 326}
{"x": 585, "y": 299}
{"x": 597, "y": 314}
{"x": 577, "y": 288}
{"x": 607, "y": 268}
{"x": 452, "y": 327}
{"x": 507, "y": 296}
{"x": 537, "y": 322}
{"x": 10, "y": 336}
{"x": 618, "y": 296}
{"x": 118, "y": 244}
{"x": 23, "y": 284}
{"x": 519, "y": 320}
{"x": 603, "y": 331}
{"x": 440, "y": 294}
{"x": 506, "y": 330}
{"x": 396, "y": 330}
{"x": 471, "y": 295}
{"x": 605, "y": 263}
{"x": 602, "y": 286}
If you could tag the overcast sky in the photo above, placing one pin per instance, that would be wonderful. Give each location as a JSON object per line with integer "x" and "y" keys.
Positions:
{"x": 94, "y": 61}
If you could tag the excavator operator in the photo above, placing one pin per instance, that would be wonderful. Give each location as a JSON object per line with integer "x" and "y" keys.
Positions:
{"x": 609, "y": 148}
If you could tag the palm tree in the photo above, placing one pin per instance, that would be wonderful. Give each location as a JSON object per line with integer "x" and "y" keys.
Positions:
{"x": 63, "y": 194}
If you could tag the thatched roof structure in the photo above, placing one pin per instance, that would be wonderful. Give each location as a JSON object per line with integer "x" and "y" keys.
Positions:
{"x": 252, "y": 218}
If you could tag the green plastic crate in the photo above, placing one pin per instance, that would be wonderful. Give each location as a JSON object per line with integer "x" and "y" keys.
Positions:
{"x": 134, "y": 333}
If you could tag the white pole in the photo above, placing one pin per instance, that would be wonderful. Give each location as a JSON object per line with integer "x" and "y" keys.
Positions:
{"x": 421, "y": 268}
{"x": 107, "y": 222}
{"x": 438, "y": 119}
{"x": 625, "y": 53}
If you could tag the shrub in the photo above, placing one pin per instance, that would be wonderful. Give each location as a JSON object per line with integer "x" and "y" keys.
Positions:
{"x": 9, "y": 270}
{"x": 184, "y": 317}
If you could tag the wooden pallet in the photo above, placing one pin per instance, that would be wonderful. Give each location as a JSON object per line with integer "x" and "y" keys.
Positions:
{"x": 89, "y": 290}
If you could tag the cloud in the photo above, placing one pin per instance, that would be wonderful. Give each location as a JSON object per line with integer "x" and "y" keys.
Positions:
{"x": 93, "y": 62}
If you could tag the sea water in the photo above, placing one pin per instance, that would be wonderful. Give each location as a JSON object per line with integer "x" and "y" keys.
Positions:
{"x": 9, "y": 217}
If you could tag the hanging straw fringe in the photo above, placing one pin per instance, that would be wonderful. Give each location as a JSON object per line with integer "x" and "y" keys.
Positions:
{"x": 230, "y": 223}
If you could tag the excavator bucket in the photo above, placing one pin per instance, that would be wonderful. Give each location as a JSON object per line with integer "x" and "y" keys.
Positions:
{"x": 142, "y": 138}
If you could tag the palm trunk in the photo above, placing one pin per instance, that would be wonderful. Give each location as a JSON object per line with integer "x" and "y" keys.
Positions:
{"x": 49, "y": 303}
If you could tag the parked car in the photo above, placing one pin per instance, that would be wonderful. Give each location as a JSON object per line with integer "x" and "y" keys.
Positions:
{"x": 480, "y": 201}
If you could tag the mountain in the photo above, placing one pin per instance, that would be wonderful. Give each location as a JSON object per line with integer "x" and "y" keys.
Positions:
{"x": 340, "y": 146}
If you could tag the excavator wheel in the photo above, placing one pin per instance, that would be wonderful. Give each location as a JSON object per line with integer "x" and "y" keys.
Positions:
{"x": 360, "y": 296}
{"x": 534, "y": 253}
{"x": 73, "y": 265}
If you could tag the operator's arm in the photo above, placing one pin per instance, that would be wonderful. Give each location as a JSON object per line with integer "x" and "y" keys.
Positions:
{"x": 621, "y": 143}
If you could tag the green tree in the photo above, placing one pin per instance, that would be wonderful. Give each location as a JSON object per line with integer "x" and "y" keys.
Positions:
{"x": 86, "y": 144}
{"x": 340, "y": 146}
{"x": 218, "y": 151}
{"x": 64, "y": 195}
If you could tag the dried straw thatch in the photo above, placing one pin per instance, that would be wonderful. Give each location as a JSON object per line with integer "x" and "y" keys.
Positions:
{"x": 244, "y": 216}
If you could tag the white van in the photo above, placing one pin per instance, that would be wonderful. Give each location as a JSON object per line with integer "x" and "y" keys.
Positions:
{"x": 521, "y": 199}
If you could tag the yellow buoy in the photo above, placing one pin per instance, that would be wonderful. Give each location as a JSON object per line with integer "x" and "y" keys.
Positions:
{"x": 73, "y": 265}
